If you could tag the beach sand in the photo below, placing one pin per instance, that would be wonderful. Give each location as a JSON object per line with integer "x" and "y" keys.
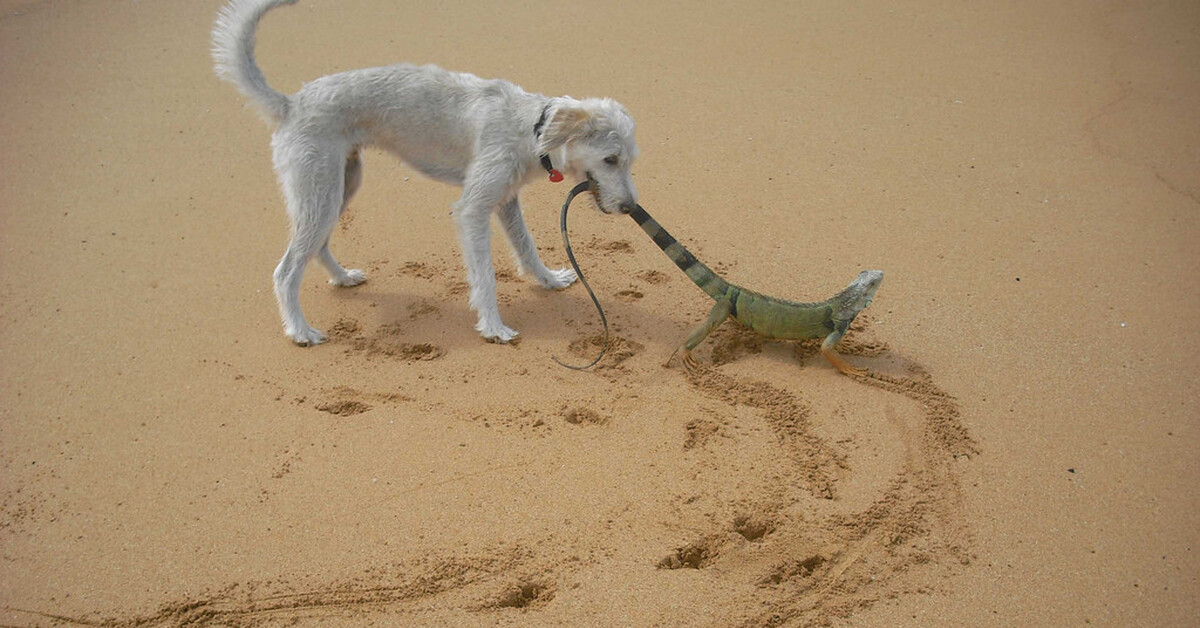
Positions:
{"x": 1024, "y": 172}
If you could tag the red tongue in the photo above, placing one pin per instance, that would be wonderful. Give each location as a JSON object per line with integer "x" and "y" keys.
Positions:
{"x": 555, "y": 176}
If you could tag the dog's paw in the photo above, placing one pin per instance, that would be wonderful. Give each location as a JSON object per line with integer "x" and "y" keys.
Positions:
{"x": 558, "y": 279}
{"x": 351, "y": 277}
{"x": 499, "y": 333}
{"x": 307, "y": 336}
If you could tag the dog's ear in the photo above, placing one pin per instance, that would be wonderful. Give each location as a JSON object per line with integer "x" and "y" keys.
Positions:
{"x": 565, "y": 124}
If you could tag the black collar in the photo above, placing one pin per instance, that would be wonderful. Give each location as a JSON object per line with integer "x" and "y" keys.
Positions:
{"x": 555, "y": 175}
{"x": 537, "y": 128}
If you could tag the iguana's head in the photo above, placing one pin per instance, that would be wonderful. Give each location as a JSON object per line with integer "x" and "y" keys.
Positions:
{"x": 859, "y": 294}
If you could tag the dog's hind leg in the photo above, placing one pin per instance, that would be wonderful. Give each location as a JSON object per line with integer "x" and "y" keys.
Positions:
{"x": 339, "y": 276}
{"x": 313, "y": 183}
{"x": 525, "y": 251}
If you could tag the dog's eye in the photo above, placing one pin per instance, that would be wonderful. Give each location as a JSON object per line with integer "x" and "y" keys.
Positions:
{"x": 611, "y": 160}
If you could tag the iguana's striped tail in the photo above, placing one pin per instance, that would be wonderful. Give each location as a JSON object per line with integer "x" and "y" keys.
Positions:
{"x": 703, "y": 276}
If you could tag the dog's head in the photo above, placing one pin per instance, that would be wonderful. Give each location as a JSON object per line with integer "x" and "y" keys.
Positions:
{"x": 593, "y": 140}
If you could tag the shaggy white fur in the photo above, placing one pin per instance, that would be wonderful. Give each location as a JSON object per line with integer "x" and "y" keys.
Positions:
{"x": 488, "y": 136}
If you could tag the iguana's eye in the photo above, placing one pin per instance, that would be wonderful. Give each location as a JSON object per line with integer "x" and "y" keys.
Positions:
{"x": 611, "y": 160}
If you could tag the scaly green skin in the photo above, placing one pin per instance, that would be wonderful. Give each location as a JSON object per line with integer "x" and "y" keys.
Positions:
{"x": 768, "y": 316}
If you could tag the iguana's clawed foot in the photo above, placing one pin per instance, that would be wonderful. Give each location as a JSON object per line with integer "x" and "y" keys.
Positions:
{"x": 685, "y": 358}
{"x": 855, "y": 371}
{"x": 689, "y": 363}
{"x": 841, "y": 365}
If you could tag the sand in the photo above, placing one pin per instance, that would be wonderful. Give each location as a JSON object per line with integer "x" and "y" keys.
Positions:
{"x": 1026, "y": 454}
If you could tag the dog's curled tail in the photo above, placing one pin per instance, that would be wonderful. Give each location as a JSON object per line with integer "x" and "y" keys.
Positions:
{"x": 233, "y": 52}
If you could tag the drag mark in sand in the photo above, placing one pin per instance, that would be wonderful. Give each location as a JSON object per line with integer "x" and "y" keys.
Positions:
{"x": 788, "y": 417}
{"x": 357, "y": 599}
{"x": 829, "y": 524}
{"x": 848, "y": 558}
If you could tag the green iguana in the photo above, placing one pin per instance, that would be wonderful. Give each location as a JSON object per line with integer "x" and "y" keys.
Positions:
{"x": 771, "y": 317}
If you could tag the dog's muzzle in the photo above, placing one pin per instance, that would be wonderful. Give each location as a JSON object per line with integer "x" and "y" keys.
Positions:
{"x": 594, "y": 188}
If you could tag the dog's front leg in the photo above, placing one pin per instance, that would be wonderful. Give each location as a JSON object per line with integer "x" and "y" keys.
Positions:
{"x": 474, "y": 233}
{"x": 525, "y": 251}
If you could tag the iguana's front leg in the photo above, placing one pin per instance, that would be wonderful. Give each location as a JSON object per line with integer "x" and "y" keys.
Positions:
{"x": 716, "y": 316}
{"x": 836, "y": 360}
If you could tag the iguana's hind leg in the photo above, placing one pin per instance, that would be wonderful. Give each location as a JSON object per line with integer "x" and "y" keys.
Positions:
{"x": 716, "y": 316}
{"x": 836, "y": 360}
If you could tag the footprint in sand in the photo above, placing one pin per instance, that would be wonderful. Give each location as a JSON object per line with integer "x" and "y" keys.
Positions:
{"x": 629, "y": 296}
{"x": 609, "y": 246}
{"x": 583, "y": 416}
{"x": 695, "y": 555}
{"x": 388, "y": 340}
{"x": 532, "y": 594}
{"x": 345, "y": 401}
{"x": 419, "y": 270}
{"x": 655, "y": 277}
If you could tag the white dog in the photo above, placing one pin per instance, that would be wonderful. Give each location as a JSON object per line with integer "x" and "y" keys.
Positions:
{"x": 489, "y": 136}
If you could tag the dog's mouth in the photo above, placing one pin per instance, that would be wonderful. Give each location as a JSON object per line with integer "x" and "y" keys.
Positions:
{"x": 594, "y": 188}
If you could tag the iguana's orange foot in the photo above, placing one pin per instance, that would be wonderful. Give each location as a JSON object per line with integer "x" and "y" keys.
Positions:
{"x": 855, "y": 371}
{"x": 841, "y": 365}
